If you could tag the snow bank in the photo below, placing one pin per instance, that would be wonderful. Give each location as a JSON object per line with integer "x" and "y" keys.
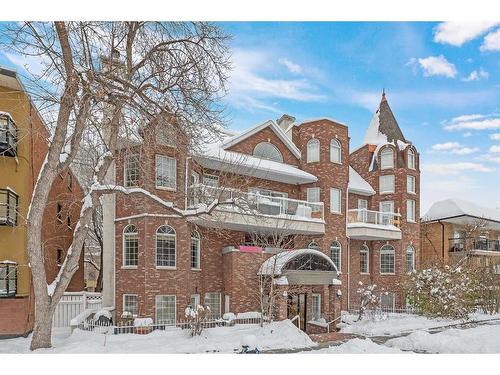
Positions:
{"x": 249, "y": 315}
{"x": 482, "y": 339}
{"x": 276, "y": 335}
{"x": 103, "y": 312}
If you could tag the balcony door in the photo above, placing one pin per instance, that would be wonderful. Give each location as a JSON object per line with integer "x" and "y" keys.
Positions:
{"x": 271, "y": 202}
{"x": 297, "y": 305}
{"x": 386, "y": 206}
{"x": 363, "y": 208}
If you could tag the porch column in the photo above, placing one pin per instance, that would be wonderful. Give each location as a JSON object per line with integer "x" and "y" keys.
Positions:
{"x": 281, "y": 305}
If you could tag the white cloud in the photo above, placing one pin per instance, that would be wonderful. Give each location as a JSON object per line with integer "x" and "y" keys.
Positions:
{"x": 454, "y": 168}
{"x": 454, "y": 148}
{"x": 495, "y": 136}
{"x": 437, "y": 66}
{"x": 495, "y": 149}
{"x": 476, "y": 75}
{"x": 491, "y": 42}
{"x": 253, "y": 82}
{"x": 490, "y": 157}
{"x": 457, "y": 33}
{"x": 467, "y": 134}
{"x": 291, "y": 66}
{"x": 467, "y": 118}
{"x": 482, "y": 124}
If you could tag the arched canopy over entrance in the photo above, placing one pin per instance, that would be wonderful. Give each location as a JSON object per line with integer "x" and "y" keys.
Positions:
{"x": 304, "y": 266}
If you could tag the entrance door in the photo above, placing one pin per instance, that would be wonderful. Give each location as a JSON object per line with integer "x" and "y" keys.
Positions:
{"x": 297, "y": 305}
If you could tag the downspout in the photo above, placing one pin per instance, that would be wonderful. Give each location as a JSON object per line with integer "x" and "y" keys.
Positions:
{"x": 442, "y": 238}
{"x": 348, "y": 248}
{"x": 186, "y": 183}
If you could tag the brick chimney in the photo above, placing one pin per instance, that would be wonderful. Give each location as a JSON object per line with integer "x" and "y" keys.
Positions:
{"x": 285, "y": 121}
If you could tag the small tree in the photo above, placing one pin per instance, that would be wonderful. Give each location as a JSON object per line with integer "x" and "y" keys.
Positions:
{"x": 197, "y": 317}
{"x": 369, "y": 301}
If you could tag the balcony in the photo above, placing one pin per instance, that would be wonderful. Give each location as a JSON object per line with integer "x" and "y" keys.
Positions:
{"x": 477, "y": 246}
{"x": 8, "y": 207}
{"x": 244, "y": 211}
{"x": 369, "y": 225}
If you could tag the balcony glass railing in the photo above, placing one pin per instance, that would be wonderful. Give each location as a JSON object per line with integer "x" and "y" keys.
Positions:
{"x": 255, "y": 203}
{"x": 372, "y": 217}
{"x": 463, "y": 244}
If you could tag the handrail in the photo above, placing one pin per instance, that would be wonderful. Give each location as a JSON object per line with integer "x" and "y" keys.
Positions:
{"x": 296, "y": 317}
{"x": 328, "y": 327}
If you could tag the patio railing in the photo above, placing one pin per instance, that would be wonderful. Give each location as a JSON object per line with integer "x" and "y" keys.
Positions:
{"x": 461, "y": 244}
{"x": 361, "y": 215}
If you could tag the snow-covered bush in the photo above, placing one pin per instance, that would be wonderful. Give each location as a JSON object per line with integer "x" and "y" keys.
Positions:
{"x": 369, "y": 302}
{"x": 196, "y": 318}
{"x": 443, "y": 291}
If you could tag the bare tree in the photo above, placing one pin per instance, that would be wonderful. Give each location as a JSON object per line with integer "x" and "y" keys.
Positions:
{"x": 111, "y": 78}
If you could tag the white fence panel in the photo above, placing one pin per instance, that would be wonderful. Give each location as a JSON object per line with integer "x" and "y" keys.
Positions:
{"x": 73, "y": 304}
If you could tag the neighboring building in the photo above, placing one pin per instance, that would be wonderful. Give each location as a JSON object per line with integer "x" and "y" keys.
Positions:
{"x": 350, "y": 217}
{"x": 23, "y": 146}
{"x": 453, "y": 228}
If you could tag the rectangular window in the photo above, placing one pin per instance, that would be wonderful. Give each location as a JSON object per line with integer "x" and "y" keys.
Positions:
{"x": 363, "y": 261}
{"x": 130, "y": 249}
{"x": 8, "y": 279}
{"x": 8, "y": 207}
{"x": 387, "y": 262}
{"x": 316, "y": 306}
{"x": 387, "y": 159}
{"x": 386, "y": 212}
{"x": 410, "y": 184}
{"x": 131, "y": 171}
{"x": 211, "y": 180}
{"x": 335, "y": 200}
{"x": 165, "y": 250}
{"x": 194, "y": 301}
{"x": 386, "y": 184}
{"x": 166, "y": 174}
{"x": 131, "y": 304}
{"x": 165, "y": 309}
{"x": 195, "y": 251}
{"x": 212, "y": 300}
{"x": 313, "y": 196}
{"x": 363, "y": 208}
{"x": 410, "y": 210}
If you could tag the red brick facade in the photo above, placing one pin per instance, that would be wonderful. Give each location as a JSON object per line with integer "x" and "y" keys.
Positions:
{"x": 233, "y": 273}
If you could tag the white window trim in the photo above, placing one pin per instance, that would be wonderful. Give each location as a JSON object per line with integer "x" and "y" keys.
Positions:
{"x": 124, "y": 266}
{"x": 340, "y": 201}
{"x": 380, "y": 260}
{"x": 414, "y": 159}
{"x": 308, "y": 194}
{"x": 156, "y": 173}
{"x": 309, "y": 158}
{"x": 125, "y": 171}
{"x": 197, "y": 298}
{"x": 175, "y": 305}
{"x": 393, "y": 184}
{"x": 365, "y": 249}
{"x": 413, "y": 258}
{"x": 319, "y": 304}
{"x": 414, "y": 220}
{"x": 278, "y": 152}
{"x": 199, "y": 252}
{"x": 337, "y": 145}
{"x": 220, "y": 300}
{"x": 392, "y": 158}
{"x": 411, "y": 177}
{"x": 130, "y": 295}
{"x": 340, "y": 255}
{"x": 156, "y": 248}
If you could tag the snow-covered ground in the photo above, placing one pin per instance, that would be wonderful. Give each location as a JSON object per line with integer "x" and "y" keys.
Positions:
{"x": 277, "y": 335}
{"x": 399, "y": 323}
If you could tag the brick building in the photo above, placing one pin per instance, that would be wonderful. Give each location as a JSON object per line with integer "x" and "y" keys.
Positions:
{"x": 23, "y": 146}
{"x": 196, "y": 227}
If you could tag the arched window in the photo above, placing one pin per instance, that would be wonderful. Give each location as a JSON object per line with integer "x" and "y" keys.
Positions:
{"x": 410, "y": 258}
{"x": 195, "y": 250}
{"x": 313, "y": 245}
{"x": 364, "y": 259}
{"x": 387, "y": 259}
{"x": 386, "y": 158}
{"x": 165, "y": 246}
{"x": 411, "y": 158}
{"x": 312, "y": 150}
{"x": 336, "y": 254}
{"x": 268, "y": 151}
{"x": 130, "y": 246}
{"x": 335, "y": 151}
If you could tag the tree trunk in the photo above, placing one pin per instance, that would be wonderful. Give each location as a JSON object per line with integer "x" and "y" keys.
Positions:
{"x": 42, "y": 333}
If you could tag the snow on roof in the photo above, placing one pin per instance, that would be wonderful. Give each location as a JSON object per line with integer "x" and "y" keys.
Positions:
{"x": 278, "y": 261}
{"x": 373, "y": 136}
{"x": 214, "y": 156}
{"x": 359, "y": 185}
{"x": 274, "y": 127}
{"x": 457, "y": 207}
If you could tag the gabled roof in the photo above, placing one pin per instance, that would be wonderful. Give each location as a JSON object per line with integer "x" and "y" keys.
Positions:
{"x": 274, "y": 127}
{"x": 383, "y": 127}
{"x": 358, "y": 184}
{"x": 451, "y": 208}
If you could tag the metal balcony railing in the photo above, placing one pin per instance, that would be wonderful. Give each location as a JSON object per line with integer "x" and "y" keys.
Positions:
{"x": 362, "y": 215}
{"x": 463, "y": 244}
{"x": 8, "y": 135}
{"x": 255, "y": 203}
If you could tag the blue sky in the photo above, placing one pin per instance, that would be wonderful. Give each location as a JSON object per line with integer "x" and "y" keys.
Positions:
{"x": 442, "y": 81}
